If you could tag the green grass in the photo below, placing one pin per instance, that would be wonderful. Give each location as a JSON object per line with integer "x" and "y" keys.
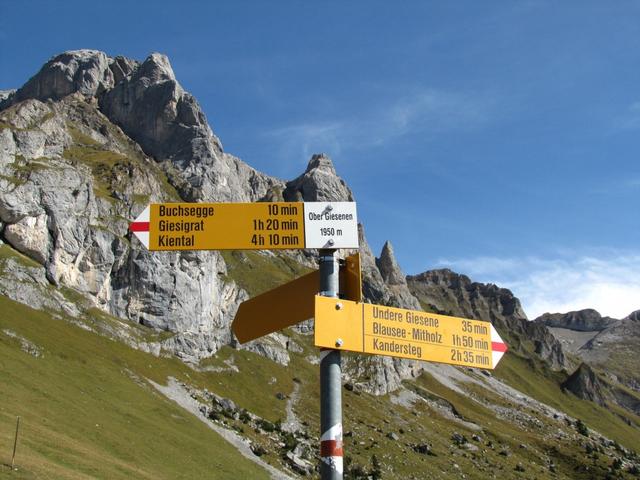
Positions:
{"x": 8, "y": 253}
{"x": 107, "y": 165}
{"x": 85, "y": 416}
{"x": 254, "y": 389}
{"x": 258, "y": 273}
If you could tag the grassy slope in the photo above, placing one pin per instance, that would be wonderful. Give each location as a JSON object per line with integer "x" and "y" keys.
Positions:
{"x": 85, "y": 416}
{"x": 539, "y": 382}
{"x": 84, "y": 379}
{"x": 257, "y": 273}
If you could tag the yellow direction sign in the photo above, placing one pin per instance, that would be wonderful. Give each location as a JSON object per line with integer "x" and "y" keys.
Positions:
{"x": 247, "y": 226}
{"x": 375, "y": 329}
{"x": 292, "y": 302}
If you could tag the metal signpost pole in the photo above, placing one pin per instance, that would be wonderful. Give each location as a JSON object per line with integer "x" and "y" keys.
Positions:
{"x": 331, "y": 464}
{"x": 15, "y": 443}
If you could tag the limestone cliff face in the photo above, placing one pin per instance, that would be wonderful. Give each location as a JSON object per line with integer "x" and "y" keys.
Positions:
{"x": 84, "y": 145}
{"x": 89, "y": 141}
{"x": 70, "y": 182}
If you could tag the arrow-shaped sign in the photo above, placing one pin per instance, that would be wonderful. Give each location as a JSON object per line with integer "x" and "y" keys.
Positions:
{"x": 292, "y": 302}
{"x": 247, "y": 226}
{"x": 375, "y": 329}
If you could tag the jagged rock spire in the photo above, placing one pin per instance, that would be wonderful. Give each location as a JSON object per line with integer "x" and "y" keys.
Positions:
{"x": 318, "y": 183}
{"x": 388, "y": 266}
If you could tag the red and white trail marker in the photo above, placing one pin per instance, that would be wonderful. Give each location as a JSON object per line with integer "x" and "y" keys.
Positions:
{"x": 140, "y": 226}
{"x": 498, "y": 347}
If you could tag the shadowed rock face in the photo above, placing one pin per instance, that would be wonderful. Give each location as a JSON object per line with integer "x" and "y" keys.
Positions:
{"x": 587, "y": 320}
{"x": 157, "y": 113}
{"x": 585, "y": 384}
{"x": 634, "y": 316}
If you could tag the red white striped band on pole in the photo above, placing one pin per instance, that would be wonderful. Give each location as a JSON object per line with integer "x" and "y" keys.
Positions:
{"x": 331, "y": 448}
{"x": 498, "y": 347}
{"x": 140, "y": 226}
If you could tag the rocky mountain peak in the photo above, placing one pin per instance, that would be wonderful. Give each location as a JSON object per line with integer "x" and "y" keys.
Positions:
{"x": 388, "y": 266}
{"x": 322, "y": 163}
{"x": 157, "y": 68}
{"x": 154, "y": 110}
{"x": 318, "y": 183}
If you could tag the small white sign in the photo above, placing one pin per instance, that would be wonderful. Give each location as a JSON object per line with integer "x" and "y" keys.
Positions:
{"x": 330, "y": 225}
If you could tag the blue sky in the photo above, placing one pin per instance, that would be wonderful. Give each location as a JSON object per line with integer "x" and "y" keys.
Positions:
{"x": 496, "y": 138}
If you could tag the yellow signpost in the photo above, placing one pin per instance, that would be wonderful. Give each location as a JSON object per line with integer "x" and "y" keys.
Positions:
{"x": 247, "y": 226}
{"x": 292, "y": 302}
{"x": 221, "y": 226}
{"x": 397, "y": 332}
{"x": 340, "y": 323}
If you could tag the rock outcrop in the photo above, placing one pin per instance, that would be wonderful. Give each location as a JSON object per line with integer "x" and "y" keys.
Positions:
{"x": 587, "y": 320}
{"x": 585, "y": 384}
{"x": 87, "y": 72}
{"x": 388, "y": 266}
{"x": 633, "y": 316}
{"x": 395, "y": 279}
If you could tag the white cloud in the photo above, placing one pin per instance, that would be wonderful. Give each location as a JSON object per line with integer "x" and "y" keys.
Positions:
{"x": 425, "y": 111}
{"x": 310, "y": 138}
{"x": 608, "y": 281}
